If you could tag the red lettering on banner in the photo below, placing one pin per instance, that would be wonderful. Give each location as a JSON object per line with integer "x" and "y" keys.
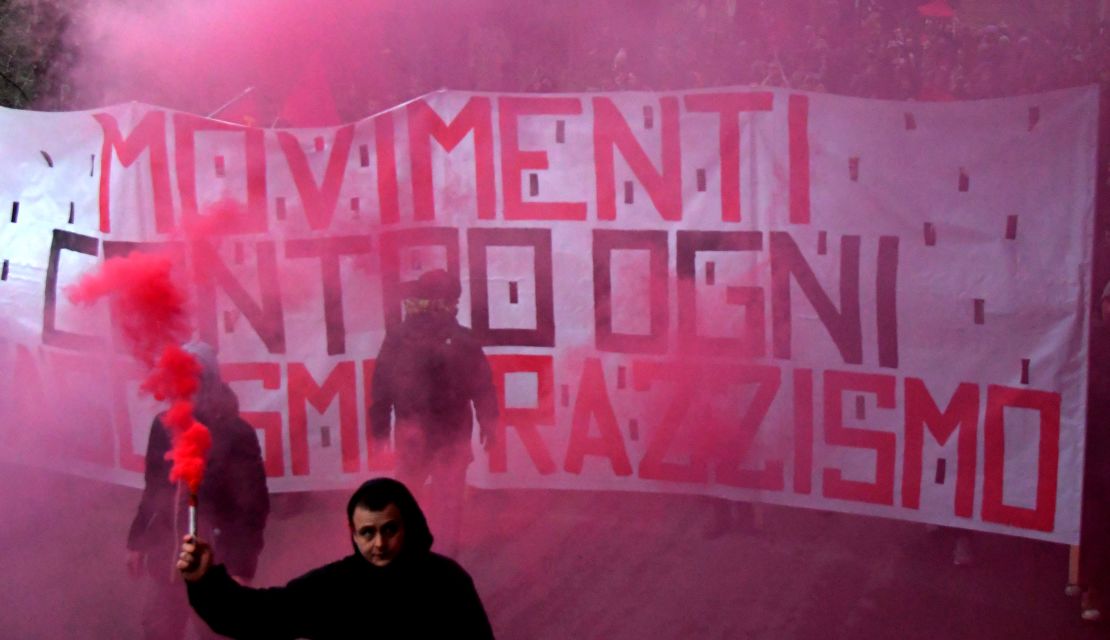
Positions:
{"x": 515, "y": 161}
{"x": 303, "y": 389}
{"x": 962, "y": 413}
{"x": 148, "y": 135}
{"x": 425, "y": 124}
{"x": 884, "y": 443}
{"x": 803, "y": 431}
{"x": 683, "y": 379}
{"x": 663, "y": 187}
{"x": 798, "y": 122}
{"x": 524, "y": 419}
{"x": 844, "y": 325}
{"x": 593, "y": 401}
{"x": 185, "y": 128}
{"x": 329, "y": 250}
{"x": 736, "y": 444}
{"x": 729, "y": 106}
{"x": 319, "y": 199}
{"x": 268, "y": 422}
{"x": 390, "y": 209}
{"x": 1042, "y": 517}
{"x": 266, "y": 316}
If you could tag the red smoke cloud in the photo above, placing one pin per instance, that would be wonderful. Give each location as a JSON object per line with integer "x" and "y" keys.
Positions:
{"x": 175, "y": 375}
{"x": 150, "y": 311}
{"x": 191, "y": 441}
{"x": 148, "y": 307}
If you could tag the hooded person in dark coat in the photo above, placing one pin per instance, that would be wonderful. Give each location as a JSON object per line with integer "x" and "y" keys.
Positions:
{"x": 234, "y": 502}
{"x": 431, "y": 377}
{"x": 392, "y": 586}
{"x": 1095, "y": 531}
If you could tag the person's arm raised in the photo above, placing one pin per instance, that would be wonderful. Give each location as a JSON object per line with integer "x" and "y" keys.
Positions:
{"x": 238, "y": 611}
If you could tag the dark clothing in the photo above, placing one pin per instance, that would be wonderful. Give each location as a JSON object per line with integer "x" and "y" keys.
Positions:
{"x": 234, "y": 502}
{"x": 1096, "y": 493}
{"x": 446, "y": 493}
{"x": 1098, "y": 409}
{"x": 421, "y": 596}
{"x": 427, "y": 373}
{"x": 233, "y": 505}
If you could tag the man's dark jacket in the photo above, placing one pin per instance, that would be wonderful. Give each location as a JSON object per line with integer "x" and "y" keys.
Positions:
{"x": 429, "y": 371}
{"x": 423, "y": 595}
{"x": 233, "y": 495}
{"x": 419, "y": 594}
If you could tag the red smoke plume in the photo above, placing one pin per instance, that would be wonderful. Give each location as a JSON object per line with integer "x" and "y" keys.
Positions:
{"x": 150, "y": 311}
{"x": 191, "y": 442}
{"x": 146, "y": 304}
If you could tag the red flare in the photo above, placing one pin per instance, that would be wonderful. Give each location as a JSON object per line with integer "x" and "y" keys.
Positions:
{"x": 179, "y": 417}
{"x": 150, "y": 310}
{"x": 175, "y": 375}
{"x": 188, "y": 454}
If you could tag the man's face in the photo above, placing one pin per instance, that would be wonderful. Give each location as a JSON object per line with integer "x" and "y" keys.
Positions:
{"x": 379, "y": 535}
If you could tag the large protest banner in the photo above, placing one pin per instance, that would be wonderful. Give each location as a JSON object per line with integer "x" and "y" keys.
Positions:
{"x": 856, "y": 305}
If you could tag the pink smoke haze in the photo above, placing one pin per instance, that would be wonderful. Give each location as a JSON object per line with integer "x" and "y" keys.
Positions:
{"x": 220, "y": 49}
{"x": 548, "y": 564}
{"x": 218, "y": 218}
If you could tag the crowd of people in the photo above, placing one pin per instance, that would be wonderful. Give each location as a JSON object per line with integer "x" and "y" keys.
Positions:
{"x": 868, "y": 48}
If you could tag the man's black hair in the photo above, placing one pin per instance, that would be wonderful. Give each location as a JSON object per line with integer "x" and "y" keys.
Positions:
{"x": 377, "y": 494}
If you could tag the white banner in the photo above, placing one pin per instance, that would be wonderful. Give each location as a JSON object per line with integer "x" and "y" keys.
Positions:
{"x": 862, "y": 306}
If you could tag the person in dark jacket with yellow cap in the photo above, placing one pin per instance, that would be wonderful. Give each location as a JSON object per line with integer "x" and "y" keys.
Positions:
{"x": 431, "y": 377}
